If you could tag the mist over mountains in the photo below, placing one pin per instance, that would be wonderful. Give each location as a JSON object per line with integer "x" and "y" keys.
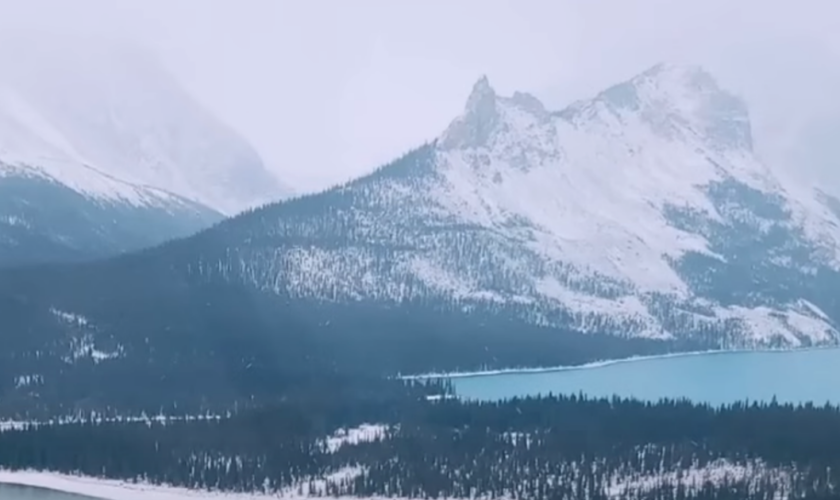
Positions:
{"x": 102, "y": 151}
{"x": 638, "y": 221}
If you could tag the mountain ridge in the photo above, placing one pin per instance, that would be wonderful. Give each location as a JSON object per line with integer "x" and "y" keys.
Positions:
{"x": 408, "y": 191}
{"x": 115, "y": 108}
{"x": 102, "y": 151}
{"x": 638, "y": 222}
{"x": 42, "y": 221}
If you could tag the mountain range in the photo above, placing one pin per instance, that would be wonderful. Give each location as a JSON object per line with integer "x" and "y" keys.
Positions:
{"x": 639, "y": 221}
{"x": 102, "y": 151}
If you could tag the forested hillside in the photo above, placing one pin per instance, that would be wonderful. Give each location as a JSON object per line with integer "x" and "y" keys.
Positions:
{"x": 566, "y": 447}
{"x": 626, "y": 224}
{"x": 75, "y": 337}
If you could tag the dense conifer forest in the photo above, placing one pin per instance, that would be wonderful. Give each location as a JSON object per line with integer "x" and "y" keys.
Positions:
{"x": 196, "y": 348}
{"x": 530, "y": 448}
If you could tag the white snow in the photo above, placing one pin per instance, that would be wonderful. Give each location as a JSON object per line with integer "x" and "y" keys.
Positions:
{"x": 70, "y": 318}
{"x": 562, "y": 212}
{"x": 363, "y": 433}
{"x": 598, "y": 179}
{"x": 30, "y": 146}
{"x": 111, "y": 489}
{"x": 82, "y": 341}
{"x": 692, "y": 476}
{"x": 596, "y": 191}
{"x": 84, "y": 347}
{"x": 109, "y": 121}
{"x": 13, "y": 220}
{"x": 122, "y": 490}
{"x": 22, "y": 381}
{"x": 10, "y": 425}
{"x": 629, "y": 308}
{"x": 764, "y": 324}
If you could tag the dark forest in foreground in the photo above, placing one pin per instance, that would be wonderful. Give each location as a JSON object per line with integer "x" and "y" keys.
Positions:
{"x": 541, "y": 448}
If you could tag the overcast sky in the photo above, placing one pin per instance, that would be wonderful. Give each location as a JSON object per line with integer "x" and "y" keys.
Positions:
{"x": 327, "y": 90}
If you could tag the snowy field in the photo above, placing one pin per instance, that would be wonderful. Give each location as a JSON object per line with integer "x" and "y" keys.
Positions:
{"x": 625, "y": 484}
{"x": 693, "y": 478}
{"x": 123, "y": 490}
{"x": 120, "y": 490}
{"x": 106, "y": 489}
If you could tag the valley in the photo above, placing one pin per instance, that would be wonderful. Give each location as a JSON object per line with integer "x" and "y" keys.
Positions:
{"x": 636, "y": 223}
{"x": 484, "y": 249}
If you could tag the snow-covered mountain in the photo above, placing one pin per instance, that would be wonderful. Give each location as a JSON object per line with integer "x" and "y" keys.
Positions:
{"x": 640, "y": 212}
{"x": 106, "y": 130}
{"x": 43, "y": 220}
{"x": 790, "y": 87}
{"x": 636, "y": 222}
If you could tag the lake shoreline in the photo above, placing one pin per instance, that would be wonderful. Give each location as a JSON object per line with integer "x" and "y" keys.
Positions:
{"x": 95, "y": 488}
{"x": 27, "y": 489}
{"x": 607, "y": 362}
{"x": 110, "y": 489}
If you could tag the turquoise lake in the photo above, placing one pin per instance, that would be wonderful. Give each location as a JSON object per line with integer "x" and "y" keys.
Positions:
{"x": 717, "y": 378}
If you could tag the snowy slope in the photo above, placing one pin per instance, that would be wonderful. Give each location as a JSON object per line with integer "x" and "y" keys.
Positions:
{"x": 42, "y": 220}
{"x": 102, "y": 152}
{"x": 596, "y": 184}
{"x": 637, "y": 222}
{"x": 794, "y": 109}
{"x": 628, "y": 484}
{"x": 109, "y": 121}
{"x": 640, "y": 212}
{"x": 31, "y": 147}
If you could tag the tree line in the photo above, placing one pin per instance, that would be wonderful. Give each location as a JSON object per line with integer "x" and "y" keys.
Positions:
{"x": 536, "y": 448}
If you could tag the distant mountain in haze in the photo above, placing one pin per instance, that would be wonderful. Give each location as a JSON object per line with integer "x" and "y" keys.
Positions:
{"x": 798, "y": 114}
{"x": 102, "y": 151}
{"x": 639, "y": 221}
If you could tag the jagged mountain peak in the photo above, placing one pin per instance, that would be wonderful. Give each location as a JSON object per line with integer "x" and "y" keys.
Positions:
{"x": 481, "y": 96}
{"x": 681, "y": 101}
{"x": 676, "y": 99}
{"x": 607, "y": 185}
{"x": 477, "y": 123}
{"x": 489, "y": 119}
{"x": 623, "y": 215}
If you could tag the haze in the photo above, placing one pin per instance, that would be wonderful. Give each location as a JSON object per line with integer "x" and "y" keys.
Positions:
{"x": 328, "y": 90}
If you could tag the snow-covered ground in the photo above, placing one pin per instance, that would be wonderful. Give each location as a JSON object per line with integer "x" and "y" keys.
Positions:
{"x": 363, "y": 433}
{"x": 123, "y": 490}
{"x": 108, "y": 120}
{"x": 622, "y": 484}
{"x": 109, "y": 489}
{"x": 692, "y": 478}
{"x": 9, "y": 425}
